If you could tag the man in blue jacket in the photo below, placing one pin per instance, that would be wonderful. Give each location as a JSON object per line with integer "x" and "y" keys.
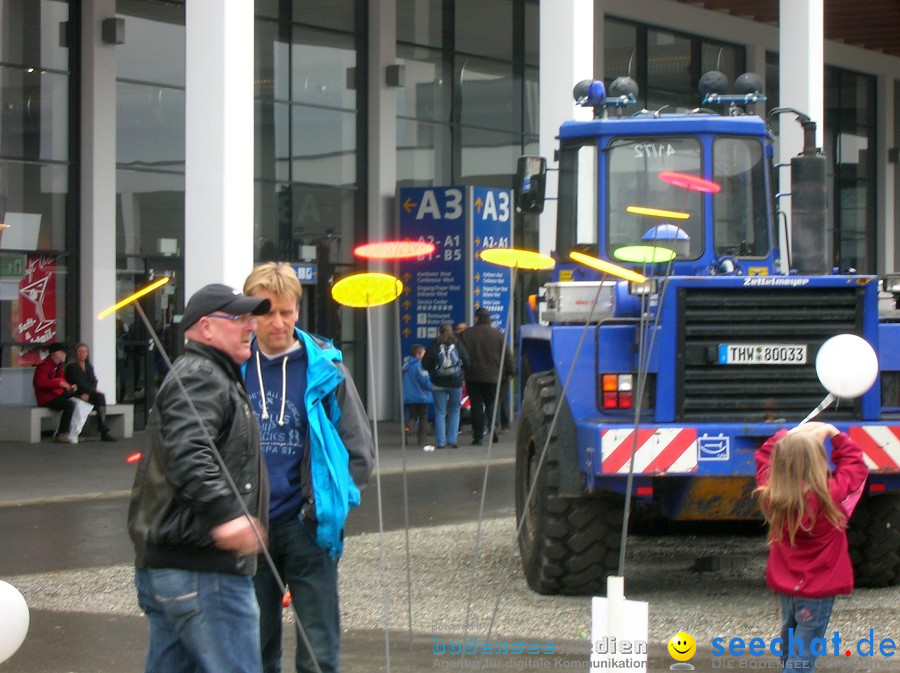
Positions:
{"x": 318, "y": 448}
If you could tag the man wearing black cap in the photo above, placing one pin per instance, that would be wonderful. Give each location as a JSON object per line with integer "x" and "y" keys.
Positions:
{"x": 51, "y": 389}
{"x": 199, "y": 478}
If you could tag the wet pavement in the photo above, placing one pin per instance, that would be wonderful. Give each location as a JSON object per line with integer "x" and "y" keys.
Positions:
{"x": 62, "y": 507}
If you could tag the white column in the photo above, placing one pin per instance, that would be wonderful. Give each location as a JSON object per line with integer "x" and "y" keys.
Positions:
{"x": 218, "y": 199}
{"x": 567, "y": 57}
{"x": 802, "y": 69}
{"x": 382, "y": 187}
{"x": 97, "y": 280}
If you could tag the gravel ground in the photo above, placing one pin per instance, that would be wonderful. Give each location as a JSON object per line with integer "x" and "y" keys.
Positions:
{"x": 730, "y": 601}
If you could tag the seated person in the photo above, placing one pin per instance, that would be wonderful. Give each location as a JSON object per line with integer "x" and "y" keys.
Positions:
{"x": 52, "y": 390}
{"x": 80, "y": 373}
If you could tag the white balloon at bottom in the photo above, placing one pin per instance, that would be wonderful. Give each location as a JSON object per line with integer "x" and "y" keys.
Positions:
{"x": 847, "y": 365}
{"x": 14, "y": 620}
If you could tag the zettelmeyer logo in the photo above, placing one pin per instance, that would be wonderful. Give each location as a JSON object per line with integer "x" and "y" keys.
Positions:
{"x": 682, "y": 647}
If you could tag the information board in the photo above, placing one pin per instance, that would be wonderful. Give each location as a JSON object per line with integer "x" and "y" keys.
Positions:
{"x": 434, "y": 286}
{"x": 491, "y": 217}
{"x": 450, "y": 284}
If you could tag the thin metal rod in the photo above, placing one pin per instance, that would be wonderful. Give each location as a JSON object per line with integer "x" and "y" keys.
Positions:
{"x": 487, "y": 459}
{"x": 532, "y": 486}
{"x": 403, "y": 447}
{"x": 644, "y": 351}
{"x": 234, "y": 489}
{"x": 373, "y": 403}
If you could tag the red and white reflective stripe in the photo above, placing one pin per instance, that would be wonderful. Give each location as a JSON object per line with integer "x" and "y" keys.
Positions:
{"x": 658, "y": 450}
{"x": 880, "y": 445}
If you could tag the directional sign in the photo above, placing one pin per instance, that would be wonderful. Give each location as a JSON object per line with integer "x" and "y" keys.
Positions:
{"x": 450, "y": 284}
{"x": 491, "y": 216}
{"x": 307, "y": 274}
{"x": 434, "y": 286}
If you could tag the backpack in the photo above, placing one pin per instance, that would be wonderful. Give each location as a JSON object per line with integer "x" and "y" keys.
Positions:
{"x": 448, "y": 362}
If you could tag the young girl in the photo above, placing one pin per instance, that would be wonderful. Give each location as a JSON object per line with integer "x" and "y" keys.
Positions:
{"x": 807, "y": 508}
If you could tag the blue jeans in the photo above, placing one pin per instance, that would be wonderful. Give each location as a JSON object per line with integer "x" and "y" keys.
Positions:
{"x": 312, "y": 577}
{"x": 199, "y": 621}
{"x": 802, "y": 619}
{"x": 446, "y": 405}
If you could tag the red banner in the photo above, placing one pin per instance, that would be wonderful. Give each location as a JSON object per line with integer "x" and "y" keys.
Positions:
{"x": 37, "y": 305}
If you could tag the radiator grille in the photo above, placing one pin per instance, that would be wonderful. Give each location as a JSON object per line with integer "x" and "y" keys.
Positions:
{"x": 708, "y": 391}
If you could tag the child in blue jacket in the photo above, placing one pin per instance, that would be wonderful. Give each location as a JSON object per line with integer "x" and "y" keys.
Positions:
{"x": 416, "y": 392}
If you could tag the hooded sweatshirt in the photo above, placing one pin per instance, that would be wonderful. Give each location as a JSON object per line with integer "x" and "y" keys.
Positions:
{"x": 416, "y": 383}
{"x": 338, "y": 452}
{"x": 276, "y": 387}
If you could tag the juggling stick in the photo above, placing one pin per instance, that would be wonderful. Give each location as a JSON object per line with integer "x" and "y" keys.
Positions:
{"x": 365, "y": 290}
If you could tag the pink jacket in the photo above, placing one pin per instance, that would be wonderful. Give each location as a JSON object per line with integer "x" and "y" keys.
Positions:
{"x": 818, "y": 564}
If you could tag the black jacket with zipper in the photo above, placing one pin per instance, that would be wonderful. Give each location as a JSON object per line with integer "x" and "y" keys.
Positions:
{"x": 180, "y": 491}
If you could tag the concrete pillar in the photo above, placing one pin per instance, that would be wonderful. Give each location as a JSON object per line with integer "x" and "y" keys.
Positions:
{"x": 218, "y": 207}
{"x": 802, "y": 69}
{"x": 382, "y": 186}
{"x": 97, "y": 263}
{"x": 567, "y": 57}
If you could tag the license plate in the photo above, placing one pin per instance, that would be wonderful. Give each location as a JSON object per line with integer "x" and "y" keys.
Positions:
{"x": 762, "y": 354}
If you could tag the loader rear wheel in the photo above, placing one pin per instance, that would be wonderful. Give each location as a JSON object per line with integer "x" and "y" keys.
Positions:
{"x": 873, "y": 535}
{"x": 568, "y": 545}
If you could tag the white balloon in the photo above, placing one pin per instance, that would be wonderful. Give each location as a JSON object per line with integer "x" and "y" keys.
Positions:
{"x": 847, "y": 365}
{"x": 14, "y": 620}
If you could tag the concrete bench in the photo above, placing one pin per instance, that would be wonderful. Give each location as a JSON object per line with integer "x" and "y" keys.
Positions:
{"x": 24, "y": 424}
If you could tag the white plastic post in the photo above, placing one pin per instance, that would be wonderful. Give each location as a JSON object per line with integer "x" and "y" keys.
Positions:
{"x": 619, "y": 628}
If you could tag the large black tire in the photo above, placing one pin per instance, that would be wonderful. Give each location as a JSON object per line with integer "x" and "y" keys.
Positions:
{"x": 873, "y": 535}
{"x": 568, "y": 545}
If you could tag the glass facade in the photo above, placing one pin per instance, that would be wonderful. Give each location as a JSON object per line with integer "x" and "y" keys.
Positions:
{"x": 666, "y": 65}
{"x": 468, "y": 109}
{"x": 849, "y": 140}
{"x": 310, "y": 145}
{"x": 150, "y": 155}
{"x": 38, "y": 166}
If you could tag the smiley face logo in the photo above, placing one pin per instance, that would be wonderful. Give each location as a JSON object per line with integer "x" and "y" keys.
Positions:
{"x": 682, "y": 647}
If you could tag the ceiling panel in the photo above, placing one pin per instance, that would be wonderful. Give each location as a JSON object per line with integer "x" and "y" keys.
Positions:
{"x": 870, "y": 24}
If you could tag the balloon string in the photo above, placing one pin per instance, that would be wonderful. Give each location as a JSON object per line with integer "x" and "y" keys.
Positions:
{"x": 823, "y": 405}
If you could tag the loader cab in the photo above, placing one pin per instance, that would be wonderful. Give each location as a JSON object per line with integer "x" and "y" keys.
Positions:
{"x": 697, "y": 185}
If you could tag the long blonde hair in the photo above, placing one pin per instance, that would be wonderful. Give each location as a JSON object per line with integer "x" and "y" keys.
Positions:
{"x": 797, "y": 467}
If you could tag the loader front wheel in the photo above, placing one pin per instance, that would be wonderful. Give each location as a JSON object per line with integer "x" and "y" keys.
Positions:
{"x": 873, "y": 536}
{"x": 568, "y": 545}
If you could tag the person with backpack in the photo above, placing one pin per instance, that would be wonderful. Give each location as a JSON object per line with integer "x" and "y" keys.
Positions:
{"x": 446, "y": 360}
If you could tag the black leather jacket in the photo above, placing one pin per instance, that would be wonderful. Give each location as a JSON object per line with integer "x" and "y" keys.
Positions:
{"x": 180, "y": 493}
